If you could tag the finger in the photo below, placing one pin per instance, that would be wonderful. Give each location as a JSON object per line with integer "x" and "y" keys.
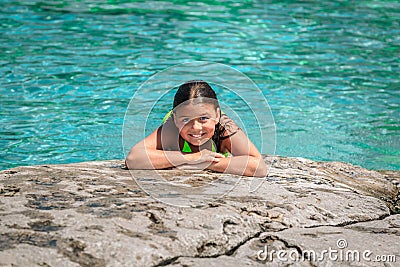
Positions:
{"x": 215, "y": 159}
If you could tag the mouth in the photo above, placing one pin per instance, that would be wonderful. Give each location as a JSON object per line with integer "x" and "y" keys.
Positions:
{"x": 197, "y": 136}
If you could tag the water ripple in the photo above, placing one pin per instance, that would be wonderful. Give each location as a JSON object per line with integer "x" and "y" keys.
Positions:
{"x": 329, "y": 70}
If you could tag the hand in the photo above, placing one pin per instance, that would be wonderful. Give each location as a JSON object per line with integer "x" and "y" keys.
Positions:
{"x": 203, "y": 157}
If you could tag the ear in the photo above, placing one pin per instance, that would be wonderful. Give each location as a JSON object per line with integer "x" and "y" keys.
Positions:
{"x": 218, "y": 115}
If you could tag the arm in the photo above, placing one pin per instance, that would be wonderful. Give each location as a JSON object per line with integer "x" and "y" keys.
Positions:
{"x": 148, "y": 154}
{"x": 246, "y": 159}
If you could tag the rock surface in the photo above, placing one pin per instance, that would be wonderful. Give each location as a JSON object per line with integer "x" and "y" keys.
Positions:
{"x": 95, "y": 214}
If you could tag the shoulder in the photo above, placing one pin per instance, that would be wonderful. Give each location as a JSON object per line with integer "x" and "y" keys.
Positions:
{"x": 228, "y": 125}
{"x": 168, "y": 135}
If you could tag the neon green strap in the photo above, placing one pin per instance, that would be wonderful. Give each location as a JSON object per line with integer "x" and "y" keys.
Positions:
{"x": 167, "y": 116}
{"x": 186, "y": 147}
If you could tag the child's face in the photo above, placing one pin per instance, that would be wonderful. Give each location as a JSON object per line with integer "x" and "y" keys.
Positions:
{"x": 196, "y": 122}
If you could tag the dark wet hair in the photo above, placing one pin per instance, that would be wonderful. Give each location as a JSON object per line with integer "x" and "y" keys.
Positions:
{"x": 202, "y": 90}
{"x": 195, "y": 89}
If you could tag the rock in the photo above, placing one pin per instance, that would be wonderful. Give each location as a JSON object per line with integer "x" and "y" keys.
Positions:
{"x": 358, "y": 244}
{"x": 95, "y": 214}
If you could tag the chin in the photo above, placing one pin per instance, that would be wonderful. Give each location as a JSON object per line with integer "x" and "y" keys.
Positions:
{"x": 197, "y": 142}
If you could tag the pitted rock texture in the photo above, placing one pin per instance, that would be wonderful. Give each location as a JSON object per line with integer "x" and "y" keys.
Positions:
{"x": 94, "y": 214}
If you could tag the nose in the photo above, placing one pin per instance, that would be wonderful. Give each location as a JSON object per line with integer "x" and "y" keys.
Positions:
{"x": 196, "y": 125}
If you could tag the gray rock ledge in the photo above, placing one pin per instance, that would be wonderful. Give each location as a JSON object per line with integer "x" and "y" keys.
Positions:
{"x": 94, "y": 214}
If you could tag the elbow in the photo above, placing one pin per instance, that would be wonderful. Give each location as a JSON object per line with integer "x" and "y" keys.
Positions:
{"x": 137, "y": 161}
{"x": 261, "y": 168}
{"x": 256, "y": 167}
{"x": 260, "y": 174}
{"x": 130, "y": 162}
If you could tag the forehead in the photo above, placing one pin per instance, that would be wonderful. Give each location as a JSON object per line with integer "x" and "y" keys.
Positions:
{"x": 193, "y": 110}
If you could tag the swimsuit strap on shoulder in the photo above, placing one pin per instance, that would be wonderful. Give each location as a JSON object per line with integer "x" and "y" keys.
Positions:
{"x": 167, "y": 116}
{"x": 213, "y": 149}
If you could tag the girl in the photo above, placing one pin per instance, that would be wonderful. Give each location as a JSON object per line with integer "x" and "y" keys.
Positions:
{"x": 196, "y": 135}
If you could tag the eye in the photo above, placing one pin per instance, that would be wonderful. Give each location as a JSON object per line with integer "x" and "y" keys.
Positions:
{"x": 203, "y": 119}
{"x": 185, "y": 120}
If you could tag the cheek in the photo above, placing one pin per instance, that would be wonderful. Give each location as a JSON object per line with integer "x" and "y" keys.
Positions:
{"x": 183, "y": 129}
{"x": 211, "y": 127}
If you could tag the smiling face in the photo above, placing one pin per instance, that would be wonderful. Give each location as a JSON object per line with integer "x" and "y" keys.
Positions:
{"x": 196, "y": 122}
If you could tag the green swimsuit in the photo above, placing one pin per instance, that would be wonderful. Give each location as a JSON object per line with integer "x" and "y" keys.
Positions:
{"x": 186, "y": 147}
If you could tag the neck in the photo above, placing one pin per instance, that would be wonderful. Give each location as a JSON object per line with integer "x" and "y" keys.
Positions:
{"x": 194, "y": 148}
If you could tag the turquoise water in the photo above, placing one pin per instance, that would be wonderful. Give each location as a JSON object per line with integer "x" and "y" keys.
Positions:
{"x": 329, "y": 69}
